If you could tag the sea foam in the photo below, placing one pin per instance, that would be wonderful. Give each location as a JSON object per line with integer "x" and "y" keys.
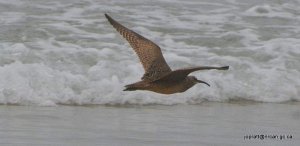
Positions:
{"x": 67, "y": 53}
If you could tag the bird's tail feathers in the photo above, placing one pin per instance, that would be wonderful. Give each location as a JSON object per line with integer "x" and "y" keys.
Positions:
{"x": 135, "y": 86}
{"x": 130, "y": 88}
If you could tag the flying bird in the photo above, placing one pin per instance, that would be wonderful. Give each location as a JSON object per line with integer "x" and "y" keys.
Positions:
{"x": 158, "y": 76}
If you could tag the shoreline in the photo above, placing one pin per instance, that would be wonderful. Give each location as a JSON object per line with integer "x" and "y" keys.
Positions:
{"x": 209, "y": 123}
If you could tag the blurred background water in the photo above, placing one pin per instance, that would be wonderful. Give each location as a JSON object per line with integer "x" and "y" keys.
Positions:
{"x": 65, "y": 52}
{"x": 209, "y": 123}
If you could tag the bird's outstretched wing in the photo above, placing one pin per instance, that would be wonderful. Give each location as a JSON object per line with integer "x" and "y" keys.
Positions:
{"x": 148, "y": 52}
{"x": 181, "y": 74}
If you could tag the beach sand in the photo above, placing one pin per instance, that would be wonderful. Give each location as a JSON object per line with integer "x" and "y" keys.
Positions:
{"x": 208, "y": 123}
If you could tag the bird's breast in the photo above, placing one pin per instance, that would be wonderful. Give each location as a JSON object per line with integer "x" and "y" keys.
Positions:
{"x": 170, "y": 87}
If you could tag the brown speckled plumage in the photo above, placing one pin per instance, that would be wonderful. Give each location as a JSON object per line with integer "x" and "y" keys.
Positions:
{"x": 158, "y": 75}
{"x": 149, "y": 53}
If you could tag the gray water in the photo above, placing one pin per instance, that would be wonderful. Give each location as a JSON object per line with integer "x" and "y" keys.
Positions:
{"x": 223, "y": 124}
{"x": 64, "y": 54}
{"x": 65, "y": 51}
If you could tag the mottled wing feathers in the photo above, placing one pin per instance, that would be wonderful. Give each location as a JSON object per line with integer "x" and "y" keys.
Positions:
{"x": 148, "y": 52}
{"x": 181, "y": 74}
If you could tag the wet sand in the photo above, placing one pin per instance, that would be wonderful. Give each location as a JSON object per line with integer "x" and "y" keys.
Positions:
{"x": 209, "y": 123}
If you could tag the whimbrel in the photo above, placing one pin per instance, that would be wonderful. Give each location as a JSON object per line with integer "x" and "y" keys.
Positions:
{"x": 158, "y": 76}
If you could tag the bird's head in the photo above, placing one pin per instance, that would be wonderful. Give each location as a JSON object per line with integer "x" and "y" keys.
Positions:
{"x": 195, "y": 80}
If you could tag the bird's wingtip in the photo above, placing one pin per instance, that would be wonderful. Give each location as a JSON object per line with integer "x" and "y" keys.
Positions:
{"x": 224, "y": 68}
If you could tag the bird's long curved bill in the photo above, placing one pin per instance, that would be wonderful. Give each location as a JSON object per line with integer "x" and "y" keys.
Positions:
{"x": 199, "y": 81}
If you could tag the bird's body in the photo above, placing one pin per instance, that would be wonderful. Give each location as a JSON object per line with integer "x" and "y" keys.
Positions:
{"x": 163, "y": 87}
{"x": 158, "y": 75}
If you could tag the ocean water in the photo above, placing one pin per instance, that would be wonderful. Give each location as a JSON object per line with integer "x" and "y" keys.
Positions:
{"x": 205, "y": 124}
{"x": 65, "y": 52}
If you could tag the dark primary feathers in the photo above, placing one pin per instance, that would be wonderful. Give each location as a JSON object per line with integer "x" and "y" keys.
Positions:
{"x": 181, "y": 74}
{"x": 148, "y": 52}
